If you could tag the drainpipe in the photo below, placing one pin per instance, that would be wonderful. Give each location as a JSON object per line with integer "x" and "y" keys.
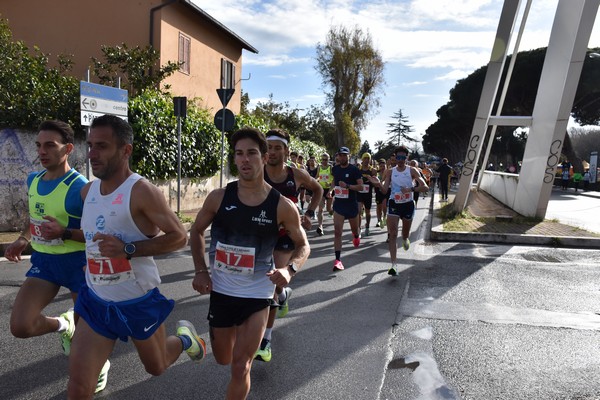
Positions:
{"x": 152, "y": 11}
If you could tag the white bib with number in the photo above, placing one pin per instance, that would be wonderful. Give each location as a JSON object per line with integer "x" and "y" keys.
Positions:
{"x": 341, "y": 193}
{"x": 234, "y": 259}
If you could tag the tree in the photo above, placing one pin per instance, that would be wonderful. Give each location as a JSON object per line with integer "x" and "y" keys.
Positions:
{"x": 449, "y": 135}
{"x": 352, "y": 76}
{"x": 400, "y": 129}
{"x": 584, "y": 141}
{"x": 135, "y": 66}
{"x": 365, "y": 148}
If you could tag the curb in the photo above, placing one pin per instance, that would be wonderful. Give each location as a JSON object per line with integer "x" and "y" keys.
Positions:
{"x": 437, "y": 233}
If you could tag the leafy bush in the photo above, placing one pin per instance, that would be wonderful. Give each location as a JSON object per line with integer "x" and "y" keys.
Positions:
{"x": 154, "y": 124}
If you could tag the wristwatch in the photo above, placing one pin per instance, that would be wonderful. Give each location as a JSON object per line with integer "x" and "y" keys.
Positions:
{"x": 67, "y": 234}
{"x": 309, "y": 213}
{"x": 129, "y": 249}
{"x": 293, "y": 268}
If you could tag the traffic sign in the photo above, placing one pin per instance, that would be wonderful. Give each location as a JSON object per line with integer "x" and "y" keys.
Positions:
{"x": 88, "y": 116}
{"x": 225, "y": 95}
{"x": 226, "y": 115}
{"x": 96, "y": 100}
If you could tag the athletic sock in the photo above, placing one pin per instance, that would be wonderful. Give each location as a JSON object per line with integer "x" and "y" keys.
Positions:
{"x": 62, "y": 324}
{"x": 282, "y": 297}
{"x": 267, "y": 334}
{"x": 338, "y": 254}
{"x": 186, "y": 341}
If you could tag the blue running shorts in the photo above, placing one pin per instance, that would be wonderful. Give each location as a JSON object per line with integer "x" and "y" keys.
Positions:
{"x": 65, "y": 270}
{"x": 138, "y": 318}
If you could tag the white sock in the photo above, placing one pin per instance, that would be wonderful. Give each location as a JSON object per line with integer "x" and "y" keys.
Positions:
{"x": 62, "y": 324}
{"x": 281, "y": 297}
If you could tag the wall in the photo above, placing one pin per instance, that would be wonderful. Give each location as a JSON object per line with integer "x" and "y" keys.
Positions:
{"x": 500, "y": 185}
{"x": 18, "y": 157}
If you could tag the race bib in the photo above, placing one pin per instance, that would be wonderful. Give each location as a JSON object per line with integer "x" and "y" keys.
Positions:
{"x": 35, "y": 227}
{"x": 109, "y": 271}
{"x": 341, "y": 193}
{"x": 234, "y": 259}
{"x": 400, "y": 197}
{"x": 365, "y": 189}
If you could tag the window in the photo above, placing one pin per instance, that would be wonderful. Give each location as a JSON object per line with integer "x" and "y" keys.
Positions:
{"x": 184, "y": 53}
{"x": 227, "y": 74}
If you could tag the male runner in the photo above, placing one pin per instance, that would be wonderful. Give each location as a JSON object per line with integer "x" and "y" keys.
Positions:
{"x": 241, "y": 280}
{"x": 347, "y": 181}
{"x": 53, "y": 226}
{"x": 287, "y": 181}
{"x": 365, "y": 195}
{"x": 123, "y": 215}
{"x": 399, "y": 182}
{"x": 325, "y": 179}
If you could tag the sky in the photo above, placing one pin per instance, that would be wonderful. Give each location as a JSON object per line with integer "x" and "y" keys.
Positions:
{"x": 427, "y": 45}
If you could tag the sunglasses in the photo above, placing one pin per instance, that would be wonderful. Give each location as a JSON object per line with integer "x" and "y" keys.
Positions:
{"x": 400, "y": 158}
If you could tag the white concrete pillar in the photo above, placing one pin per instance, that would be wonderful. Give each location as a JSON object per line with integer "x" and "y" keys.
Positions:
{"x": 566, "y": 52}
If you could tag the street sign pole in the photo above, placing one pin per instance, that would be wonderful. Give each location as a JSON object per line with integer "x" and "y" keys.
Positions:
{"x": 224, "y": 96}
{"x": 180, "y": 108}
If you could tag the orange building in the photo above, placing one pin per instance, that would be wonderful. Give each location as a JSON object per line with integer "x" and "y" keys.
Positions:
{"x": 180, "y": 30}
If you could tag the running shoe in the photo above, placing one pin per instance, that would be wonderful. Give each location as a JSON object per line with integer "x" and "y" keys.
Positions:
{"x": 367, "y": 232}
{"x": 393, "y": 271}
{"x": 378, "y": 224}
{"x": 284, "y": 308}
{"x": 103, "y": 377}
{"x": 320, "y": 231}
{"x": 197, "y": 350}
{"x": 338, "y": 266}
{"x": 406, "y": 244}
{"x": 264, "y": 351}
{"x": 67, "y": 334}
{"x": 383, "y": 222}
{"x": 356, "y": 241}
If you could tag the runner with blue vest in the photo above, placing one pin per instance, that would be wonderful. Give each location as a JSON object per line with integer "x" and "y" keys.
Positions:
{"x": 53, "y": 227}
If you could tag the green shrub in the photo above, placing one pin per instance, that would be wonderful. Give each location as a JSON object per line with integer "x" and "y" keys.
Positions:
{"x": 154, "y": 125}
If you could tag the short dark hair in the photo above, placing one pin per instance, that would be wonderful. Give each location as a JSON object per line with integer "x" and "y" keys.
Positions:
{"x": 61, "y": 127}
{"x": 121, "y": 128}
{"x": 279, "y": 133}
{"x": 402, "y": 149}
{"x": 252, "y": 134}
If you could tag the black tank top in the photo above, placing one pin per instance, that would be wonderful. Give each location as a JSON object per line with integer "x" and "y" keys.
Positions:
{"x": 287, "y": 188}
{"x": 249, "y": 226}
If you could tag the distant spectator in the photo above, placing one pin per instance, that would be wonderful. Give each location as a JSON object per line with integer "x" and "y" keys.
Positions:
{"x": 586, "y": 179}
{"x": 444, "y": 172}
{"x": 577, "y": 177}
{"x": 566, "y": 175}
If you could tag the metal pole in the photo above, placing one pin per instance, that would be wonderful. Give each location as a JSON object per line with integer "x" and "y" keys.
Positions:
{"x": 222, "y": 141}
{"x": 87, "y": 136}
{"x": 178, "y": 163}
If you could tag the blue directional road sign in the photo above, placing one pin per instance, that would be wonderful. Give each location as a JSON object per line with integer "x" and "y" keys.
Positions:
{"x": 97, "y": 100}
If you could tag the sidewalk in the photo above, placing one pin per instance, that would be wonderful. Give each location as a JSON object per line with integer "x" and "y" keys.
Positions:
{"x": 496, "y": 223}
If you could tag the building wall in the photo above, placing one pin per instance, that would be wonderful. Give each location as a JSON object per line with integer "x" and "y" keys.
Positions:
{"x": 81, "y": 27}
{"x": 207, "y": 49}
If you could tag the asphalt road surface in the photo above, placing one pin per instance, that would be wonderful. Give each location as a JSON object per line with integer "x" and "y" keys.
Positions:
{"x": 461, "y": 321}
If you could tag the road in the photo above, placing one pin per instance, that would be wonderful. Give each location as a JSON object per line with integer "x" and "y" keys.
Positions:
{"x": 461, "y": 321}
